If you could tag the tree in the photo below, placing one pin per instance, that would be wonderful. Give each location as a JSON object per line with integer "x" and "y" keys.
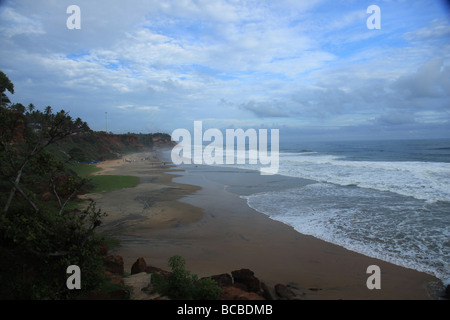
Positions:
{"x": 5, "y": 84}
{"x": 40, "y": 234}
{"x": 24, "y": 136}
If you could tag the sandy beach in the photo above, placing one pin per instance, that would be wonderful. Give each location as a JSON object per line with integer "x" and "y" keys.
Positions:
{"x": 173, "y": 211}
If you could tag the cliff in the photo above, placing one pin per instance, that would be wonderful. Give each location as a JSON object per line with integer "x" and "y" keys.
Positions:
{"x": 100, "y": 146}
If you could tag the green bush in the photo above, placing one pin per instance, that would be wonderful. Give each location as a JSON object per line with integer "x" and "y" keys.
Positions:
{"x": 207, "y": 289}
{"x": 181, "y": 285}
{"x": 36, "y": 250}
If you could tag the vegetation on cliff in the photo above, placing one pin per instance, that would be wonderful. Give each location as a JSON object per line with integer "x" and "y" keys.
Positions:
{"x": 99, "y": 146}
{"x": 41, "y": 231}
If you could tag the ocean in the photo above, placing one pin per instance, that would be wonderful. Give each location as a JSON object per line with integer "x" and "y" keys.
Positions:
{"x": 385, "y": 199}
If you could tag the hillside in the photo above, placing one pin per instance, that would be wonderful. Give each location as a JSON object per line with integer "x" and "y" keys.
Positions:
{"x": 43, "y": 227}
{"x": 100, "y": 146}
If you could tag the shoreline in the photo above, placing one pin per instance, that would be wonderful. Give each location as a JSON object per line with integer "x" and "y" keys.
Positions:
{"x": 215, "y": 231}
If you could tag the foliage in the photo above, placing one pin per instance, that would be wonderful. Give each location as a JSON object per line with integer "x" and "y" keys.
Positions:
{"x": 43, "y": 228}
{"x": 180, "y": 284}
{"x": 207, "y": 289}
{"x": 5, "y": 84}
{"x": 40, "y": 233}
{"x": 37, "y": 249}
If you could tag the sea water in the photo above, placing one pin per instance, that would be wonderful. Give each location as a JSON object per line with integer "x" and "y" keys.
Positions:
{"x": 385, "y": 199}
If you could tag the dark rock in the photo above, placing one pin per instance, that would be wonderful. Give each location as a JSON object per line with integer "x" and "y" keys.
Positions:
{"x": 284, "y": 292}
{"x": 234, "y": 293}
{"x": 114, "y": 264}
{"x": 447, "y": 292}
{"x": 151, "y": 269}
{"x": 314, "y": 289}
{"x": 246, "y": 277}
{"x": 139, "y": 266}
{"x": 223, "y": 279}
{"x": 266, "y": 292}
{"x": 240, "y": 286}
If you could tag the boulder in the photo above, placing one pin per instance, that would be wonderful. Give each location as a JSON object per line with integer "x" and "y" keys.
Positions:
{"x": 137, "y": 282}
{"x": 234, "y": 293}
{"x": 245, "y": 277}
{"x": 151, "y": 269}
{"x": 114, "y": 264}
{"x": 139, "y": 266}
{"x": 447, "y": 292}
{"x": 266, "y": 292}
{"x": 223, "y": 279}
{"x": 284, "y": 292}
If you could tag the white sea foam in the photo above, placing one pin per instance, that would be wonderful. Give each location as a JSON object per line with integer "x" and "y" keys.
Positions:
{"x": 397, "y": 211}
{"x": 397, "y": 229}
{"x": 428, "y": 181}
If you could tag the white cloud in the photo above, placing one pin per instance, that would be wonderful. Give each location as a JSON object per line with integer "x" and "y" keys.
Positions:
{"x": 437, "y": 28}
{"x": 432, "y": 80}
{"x": 14, "y": 24}
{"x": 299, "y": 63}
{"x": 139, "y": 108}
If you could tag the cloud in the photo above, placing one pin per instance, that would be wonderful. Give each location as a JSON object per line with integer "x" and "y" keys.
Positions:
{"x": 432, "y": 80}
{"x": 138, "y": 108}
{"x": 14, "y": 24}
{"x": 296, "y": 64}
{"x": 436, "y": 29}
{"x": 395, "y": 118}
{"x": 265, "y": 109}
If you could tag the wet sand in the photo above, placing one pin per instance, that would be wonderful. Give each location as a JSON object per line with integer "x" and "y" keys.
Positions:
{"x": 151, "y": 205}
{"x": 181, "y": 212}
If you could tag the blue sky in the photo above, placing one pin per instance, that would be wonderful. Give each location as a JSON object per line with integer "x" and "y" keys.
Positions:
{"x": 309, "y": 68}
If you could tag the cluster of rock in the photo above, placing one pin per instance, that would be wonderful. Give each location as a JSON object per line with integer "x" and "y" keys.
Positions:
{"x": 243, "y": 285}
{"x": 239, "y": 285}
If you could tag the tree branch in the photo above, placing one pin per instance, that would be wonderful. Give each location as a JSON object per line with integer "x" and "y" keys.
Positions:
{"x": 16, "y": 186}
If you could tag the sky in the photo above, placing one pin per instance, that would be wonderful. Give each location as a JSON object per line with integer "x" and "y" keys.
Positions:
{"x": 312, "y": 69}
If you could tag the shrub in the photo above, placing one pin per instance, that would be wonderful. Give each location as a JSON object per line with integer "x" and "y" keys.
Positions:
{"x": 180, "y": 284}
{"x": 36, "y": 250}
{"x": 207, "y": 289}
